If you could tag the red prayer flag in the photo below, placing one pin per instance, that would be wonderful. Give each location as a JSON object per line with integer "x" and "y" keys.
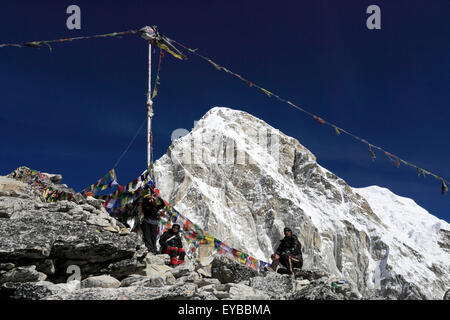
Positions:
{"x": 319, "y": 119}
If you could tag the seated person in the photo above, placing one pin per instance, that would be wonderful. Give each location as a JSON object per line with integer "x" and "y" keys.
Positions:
{"x": 170, "y": 242}
{"x": 288, "y": 253}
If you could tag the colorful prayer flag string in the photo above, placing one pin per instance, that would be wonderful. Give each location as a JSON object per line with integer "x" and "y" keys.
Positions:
{"x": 397, "y": 160}
{"x": 193, "y": 234}
{"x": 38, "y": 182}
{"x": 107, "y": 181}
{"x": 37, "y": 44}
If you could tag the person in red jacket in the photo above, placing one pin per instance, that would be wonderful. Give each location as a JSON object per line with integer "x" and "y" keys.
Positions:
{"x": 171, "y": 244}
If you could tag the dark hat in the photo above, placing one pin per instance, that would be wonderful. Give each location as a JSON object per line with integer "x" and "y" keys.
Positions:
{"x": 287, "y": 229}
{"x": 176, "y": 225}
{"x": 147, "y": 198}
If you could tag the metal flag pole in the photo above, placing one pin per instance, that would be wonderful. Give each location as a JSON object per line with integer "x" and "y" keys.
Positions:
{"x": 149, "y": 106}
{"x": 149, "y": 34}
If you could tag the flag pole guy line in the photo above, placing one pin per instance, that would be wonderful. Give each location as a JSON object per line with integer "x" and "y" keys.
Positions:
{"x": 37, "y": 44}
{"x": 168, "y": 45}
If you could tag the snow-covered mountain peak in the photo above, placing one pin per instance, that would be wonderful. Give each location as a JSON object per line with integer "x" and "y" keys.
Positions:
{"x": 243, "y": 181}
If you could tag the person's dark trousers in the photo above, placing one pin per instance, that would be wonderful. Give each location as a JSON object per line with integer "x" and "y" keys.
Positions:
{"x": 289, "y": 261}
{"x": 150, "y": 232}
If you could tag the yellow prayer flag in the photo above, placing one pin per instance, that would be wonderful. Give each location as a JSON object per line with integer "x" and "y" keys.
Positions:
{"x": 166, "y": 48}
{"x": 269, "y": 94}
{"x": 215, "y": 64}
{"x": 113, "y": 174}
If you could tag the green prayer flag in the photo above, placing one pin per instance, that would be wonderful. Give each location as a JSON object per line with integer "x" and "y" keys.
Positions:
{"x": 444, "y": 187}
{"x": 372, "y": 154}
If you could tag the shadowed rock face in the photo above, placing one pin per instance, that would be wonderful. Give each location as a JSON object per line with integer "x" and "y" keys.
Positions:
{"x": 247, "y": 204}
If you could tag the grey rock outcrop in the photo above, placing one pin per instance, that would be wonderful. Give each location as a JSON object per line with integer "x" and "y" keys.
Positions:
{"x": 103, "y": 281}
{"x": 227, "y": 270}
{"x": 22, "y": 274}
{"x": 317, "y": 291}
{"x": 41, "y": 240}
{"x": 158, "y": 259}
{"x": 176, "y": 292}
{"x": 36, "y": 290}
{"x": 276, "y": 286}
{"x": 240, "y": 291}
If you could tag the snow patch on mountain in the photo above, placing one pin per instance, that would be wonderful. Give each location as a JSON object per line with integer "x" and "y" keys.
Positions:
{"x": 412, "y": 234}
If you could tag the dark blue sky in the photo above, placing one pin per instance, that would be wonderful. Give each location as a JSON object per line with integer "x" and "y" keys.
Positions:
{"x": 73, "y": 111}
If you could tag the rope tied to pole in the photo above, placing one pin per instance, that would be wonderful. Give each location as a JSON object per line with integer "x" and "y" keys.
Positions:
{"x": 129, "y": 145}
{"x": 37, "y": 44}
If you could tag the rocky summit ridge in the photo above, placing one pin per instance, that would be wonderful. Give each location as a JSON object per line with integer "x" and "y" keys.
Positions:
{"x": 73, "y": 250}
{"x": 242, "y": 183}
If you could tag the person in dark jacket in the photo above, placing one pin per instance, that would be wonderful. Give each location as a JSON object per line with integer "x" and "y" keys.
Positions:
{"x": 170, "y": 242}
{"x": 151, "y": 205}
{"x": 288, "y": 253}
